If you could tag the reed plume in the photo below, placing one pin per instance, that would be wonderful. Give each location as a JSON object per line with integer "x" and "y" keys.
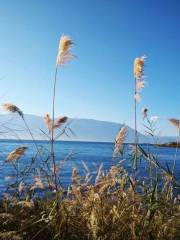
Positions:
{"x": 60, "y": 121}
{"x": 48, "y": 122}
{"x": 16, "y": 154}
{"x": 175, "y": 122}
{"x": 12, "y": 108}
{"x": 139, "y": 76}
{"x": 64, "y": 53}
{"x": 139, "y": 67}
{"x": 120, "y": 140}
{"x": 74, "y": 176}
{"x": 140, "y": 85}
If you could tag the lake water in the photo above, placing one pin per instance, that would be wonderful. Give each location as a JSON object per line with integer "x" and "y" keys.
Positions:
{"x": 93, "y": 154}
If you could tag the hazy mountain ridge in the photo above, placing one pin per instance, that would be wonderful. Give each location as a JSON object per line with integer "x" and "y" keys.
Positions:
{"x": 84, "y": 130}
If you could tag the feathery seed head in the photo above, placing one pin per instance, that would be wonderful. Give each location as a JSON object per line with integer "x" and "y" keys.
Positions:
{"x": 140, "y": 85}
{"x": 175, "y": 122}
{"x": 12, "y": 108}
{"x": 60, "y": 121}
{"x": 139, "y": 76}
{"x": 139, "y": 67}
{"x": 120, "y": 139}
{"x": 17, "y": 153}
{"x": 74, "y": 175}
{"x": 48, "y": 122}
{"x": 64, "y": 53}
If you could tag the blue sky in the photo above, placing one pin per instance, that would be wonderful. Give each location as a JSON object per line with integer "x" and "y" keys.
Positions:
{"x": 108, "y": 35}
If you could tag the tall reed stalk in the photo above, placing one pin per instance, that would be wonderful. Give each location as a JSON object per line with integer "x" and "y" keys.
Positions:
{"x": 64, "y": 56}
{"x": 135, "y": 128}
{"x": 139, "y": 84}
{"x": 52, "y": 131}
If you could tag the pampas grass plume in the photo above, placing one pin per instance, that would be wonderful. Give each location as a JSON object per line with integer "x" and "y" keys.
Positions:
{"x": 175, "y": 122}
{"x": 64, "y": 53}
{"x": 16, "y": 154}
{"x": 12, "y": 108}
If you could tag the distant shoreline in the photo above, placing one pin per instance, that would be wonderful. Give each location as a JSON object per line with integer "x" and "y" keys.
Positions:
{"x": 172, "y": 144}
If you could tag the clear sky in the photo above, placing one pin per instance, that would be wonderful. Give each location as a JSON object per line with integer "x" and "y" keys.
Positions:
{"x": 108, "y": 35}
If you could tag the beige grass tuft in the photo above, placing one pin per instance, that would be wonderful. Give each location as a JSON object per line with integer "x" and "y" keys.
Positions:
{"x": 12, "y": 108}
{"x": 139, "y": 67}
{"x": 64, "y": 53}
{"x": 175, "y": 122}
{"x": 48, "y": 122}
{"x": 60, "y": 121}
{"x": 120, "y": 140}
{"x": 17, "y": 153}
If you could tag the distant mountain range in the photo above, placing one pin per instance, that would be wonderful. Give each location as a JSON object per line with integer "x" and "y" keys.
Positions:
{"x": 12, "y": 127}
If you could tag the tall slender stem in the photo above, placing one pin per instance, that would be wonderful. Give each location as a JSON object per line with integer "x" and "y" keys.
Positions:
{"x": 52, "y": 131}
{"x": 134, "y": 162}
{"x": 135, "y": 127}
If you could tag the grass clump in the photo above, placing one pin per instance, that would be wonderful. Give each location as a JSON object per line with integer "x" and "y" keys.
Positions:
{"x": 104, "y": 210}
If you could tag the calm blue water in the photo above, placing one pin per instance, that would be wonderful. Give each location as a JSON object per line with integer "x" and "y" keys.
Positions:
{"x": 93, "y": 154}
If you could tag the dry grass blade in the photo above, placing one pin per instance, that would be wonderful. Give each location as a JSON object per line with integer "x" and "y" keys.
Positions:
{"x": 175, "y": 122}
{"x": 87, "y": 176}
{"x": 120, "y": 140}
{"x": 12, "y": 108}
{"x": 74, "y": 176}
{"x": 99, "y": 173}
{"x": 85, "y": 167}
{"x": 17, "y": 153}
{"x": 64, "y": 53}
